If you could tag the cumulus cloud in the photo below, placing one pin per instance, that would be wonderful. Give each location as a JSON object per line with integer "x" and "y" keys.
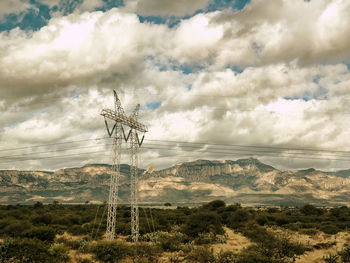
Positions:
{"x": 13, "y": 7}
{"x": 90, "y": 5}
{"x": 255, "y": 78}
{"x": 266, "y": 32}
{"x": 166, "y": 7}
{"x": 73, "y": 48}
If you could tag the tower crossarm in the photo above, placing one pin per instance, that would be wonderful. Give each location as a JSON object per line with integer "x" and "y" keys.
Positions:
{"x": 123, "y": 119}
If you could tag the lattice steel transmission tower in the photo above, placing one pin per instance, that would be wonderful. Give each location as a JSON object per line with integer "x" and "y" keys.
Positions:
{"x": 119, "y": 118}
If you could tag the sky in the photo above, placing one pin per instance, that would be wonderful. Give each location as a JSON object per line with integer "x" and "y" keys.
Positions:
{"x": 216, "y": 79}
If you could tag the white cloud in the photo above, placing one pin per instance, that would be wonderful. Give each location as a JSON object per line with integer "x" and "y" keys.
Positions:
{"x": 90, "y": 5}
{"x": 13, "y": 7}
{"x": 55, "y": 81}
{"x": 165, "y": 7}
{"x": 267, "y": 32}
{"x": 73, "y": 48}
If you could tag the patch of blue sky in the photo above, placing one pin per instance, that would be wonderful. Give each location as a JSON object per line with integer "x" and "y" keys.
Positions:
{"x": 170, "y": 21}
{"x": 222, "y": 4}
{"x": 215, "y": 5}
{"x": 31, "y": 19}
{"x": 235, "y": 68}
{"x": 109, "y": 4}
{"x": 35, "y": 18}
{"x": 347, "y": 65}
{"x": 174, "y": 66}
{"x": 153, "y": 105}
{"x": 316, "y": 78}
{"x": 188, "y": 69}
{"x": 14, "y": 124}
{"x": 320, "y": 94}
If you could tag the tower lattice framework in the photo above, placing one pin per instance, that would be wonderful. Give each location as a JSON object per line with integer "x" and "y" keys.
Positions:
{"x": 119, "y": 118}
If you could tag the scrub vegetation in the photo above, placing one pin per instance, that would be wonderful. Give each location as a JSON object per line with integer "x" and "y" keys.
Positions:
{"x": 67, "y": 233}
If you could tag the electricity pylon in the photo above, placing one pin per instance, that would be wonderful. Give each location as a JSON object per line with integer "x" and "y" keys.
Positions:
{"x": 119, "y": 117}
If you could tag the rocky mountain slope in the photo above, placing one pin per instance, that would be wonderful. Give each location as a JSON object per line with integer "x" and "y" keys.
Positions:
{"x": 246, "y": 181}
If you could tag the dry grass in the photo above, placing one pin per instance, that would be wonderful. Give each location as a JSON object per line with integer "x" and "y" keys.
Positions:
{"x": 337, "y": 242}
{"x": 322, "y": 243}
{"x": 235, "y": 242}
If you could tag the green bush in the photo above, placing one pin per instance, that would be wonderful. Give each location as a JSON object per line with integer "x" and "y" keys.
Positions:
{"x": 42, "y": 233}
{"x": 146, "y": 251}
{"x": 207, "y": 238}
{"x": 226, "y": 257}
{"x": 168, "y": 242}
{"x": 59, "y": 253}
{"x": 345, "y": 255}
{"x": 214, "y": 205}
{"x": 111, "y": 251}
{"x": 331, "y": 258}
{"x": 42, "y": 219}
{"x": 202, "y": 222}
{"x": 202, "y": 255}
{"x": 310, "y": 210}
{"x": 25, "y": 250}
{"x": 329, "y": 229}
{"x": 15, "y": 228}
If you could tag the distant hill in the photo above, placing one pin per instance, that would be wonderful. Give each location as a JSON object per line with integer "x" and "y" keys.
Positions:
{"x": 246, "y": 181}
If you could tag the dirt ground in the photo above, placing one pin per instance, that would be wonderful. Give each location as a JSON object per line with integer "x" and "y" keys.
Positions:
{"x": 337, "y": 242}
{"x": 235, "y": 242}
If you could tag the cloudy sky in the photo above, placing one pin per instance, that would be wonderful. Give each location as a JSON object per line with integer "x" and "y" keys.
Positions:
{"x": 216, "y": 79}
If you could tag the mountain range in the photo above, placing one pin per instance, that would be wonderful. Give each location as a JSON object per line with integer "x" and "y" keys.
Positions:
{"x": 245, "y": 181}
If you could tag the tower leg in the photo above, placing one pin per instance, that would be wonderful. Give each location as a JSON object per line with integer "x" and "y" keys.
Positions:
{"x": 134, "y": 185}
{"x": 113, "y": 188}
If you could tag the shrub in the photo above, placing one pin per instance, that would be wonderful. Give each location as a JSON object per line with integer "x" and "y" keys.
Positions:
{"x": 310, "y": 210}
{"x": 59, "y": 253}
{"x": 214, "y": 205}
{"x": 111, "y": 251}
{"x": 25, "y": 251}
{"x": 331, "y": 258}
{"x": 261, "y": 220}
{"x": 38, "y": 205}
{"x": 308, "y": 231}
{"x": 345, "y": 255}
{"x": 168, "y": 242}
{"x": 207, "y": 238}
{"x": 42, "y": 233}
{"x": 329, "y": 229}
{"x": 226, "y": 257}
{"x": 238, "y": 218}
{"x": 146, "y": 251}
{"x": 195, "y": 224}
{"x": 42, "y": 219}
{"x": 252, "y": 255}
{"x": 15, "y": 228}
{"x": 202, "y": 255}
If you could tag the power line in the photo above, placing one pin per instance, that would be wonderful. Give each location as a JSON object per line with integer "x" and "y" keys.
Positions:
{"x": 226, "y": 153}
{"x": 52, "y": 144}
{"x": 199, "y": 145}
{"x": 185, "y": 142}
{"x": 195, "y": 145}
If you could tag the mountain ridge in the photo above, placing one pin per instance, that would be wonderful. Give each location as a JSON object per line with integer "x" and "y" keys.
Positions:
{"x": 246, "y": 181}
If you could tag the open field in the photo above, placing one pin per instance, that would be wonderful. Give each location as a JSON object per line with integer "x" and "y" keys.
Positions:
{"x": 214, "y": 232}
